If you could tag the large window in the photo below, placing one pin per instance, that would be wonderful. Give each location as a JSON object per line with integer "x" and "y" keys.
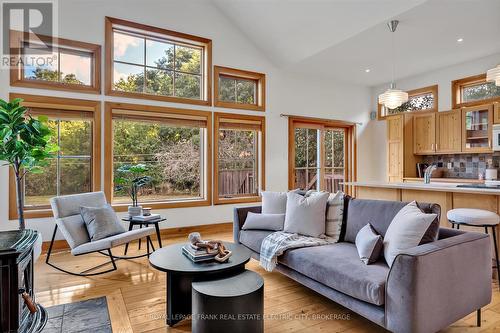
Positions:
{"x": 322, "y": 154}
{"x": 239, "y": 89}
{"x": 55, "y": 63}
{"x": 239, "y": 158}
{"x": 171, "y": 144}
{"x": 474, "y": 90}
{"x": 422, "y": 99}
{"x": 153, "y": 63}
{"x": 75, "y": 167}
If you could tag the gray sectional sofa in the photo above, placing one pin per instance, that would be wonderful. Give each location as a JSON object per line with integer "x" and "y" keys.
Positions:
{"x": 427, "y": 288}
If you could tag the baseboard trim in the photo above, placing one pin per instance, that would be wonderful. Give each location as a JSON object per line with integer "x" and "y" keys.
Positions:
{"x": 62, "y": 245}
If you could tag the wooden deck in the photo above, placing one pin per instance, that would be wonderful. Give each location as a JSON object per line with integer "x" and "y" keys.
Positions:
{"x": 136, "y": 297}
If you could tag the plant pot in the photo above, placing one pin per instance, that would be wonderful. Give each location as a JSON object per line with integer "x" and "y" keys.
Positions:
{"x": 134, "y": 210}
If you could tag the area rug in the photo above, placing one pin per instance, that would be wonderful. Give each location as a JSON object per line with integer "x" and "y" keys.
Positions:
{"x": 78, "y": 317}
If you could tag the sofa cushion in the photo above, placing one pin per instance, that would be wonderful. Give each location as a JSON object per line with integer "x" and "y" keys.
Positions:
{"x": 380, "y": 214}
{"x": 306, "y": 215}
{"x": 253, "y": 238}
{"x": 338, "y": 266}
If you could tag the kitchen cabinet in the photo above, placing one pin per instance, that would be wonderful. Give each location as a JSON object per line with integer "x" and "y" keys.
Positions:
{"x": 496, "y": 113}
{"x": 424, "y": 133}
{"x": 476, "y": 128}
{"x": 449, "y": 131}
{"x": 395, "y": 143}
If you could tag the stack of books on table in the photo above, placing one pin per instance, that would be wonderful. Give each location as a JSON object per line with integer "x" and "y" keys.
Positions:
{"x": 146, "y": 218}
{"x": 197, "y": 255}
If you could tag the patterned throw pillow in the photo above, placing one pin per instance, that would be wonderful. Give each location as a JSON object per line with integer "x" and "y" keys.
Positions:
{"x": 334, "y": 215}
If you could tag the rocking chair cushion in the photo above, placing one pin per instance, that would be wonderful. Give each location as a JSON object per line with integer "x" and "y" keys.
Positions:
{"x": 101, "y": 222}
{"x": 110, "y": 242}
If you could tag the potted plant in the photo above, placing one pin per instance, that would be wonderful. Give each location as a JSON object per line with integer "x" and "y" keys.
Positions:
{"x": 26, "y": 145}
{"x": 130, "y": 179}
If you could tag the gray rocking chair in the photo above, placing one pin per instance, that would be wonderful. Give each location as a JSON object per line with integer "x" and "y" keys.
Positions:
{"x": 68, "y": 219}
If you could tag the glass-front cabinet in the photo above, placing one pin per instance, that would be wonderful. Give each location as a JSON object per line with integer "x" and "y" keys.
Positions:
{"x": 476, "y": 126}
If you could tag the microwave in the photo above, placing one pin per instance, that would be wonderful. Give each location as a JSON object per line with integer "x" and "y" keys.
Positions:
{"x": 496, "y": 137}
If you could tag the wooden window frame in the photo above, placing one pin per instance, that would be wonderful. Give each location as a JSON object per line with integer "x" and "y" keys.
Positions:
{"x": 17, "y": 72}
{"x": 141, "y": 110}
{"x": 60, "y": 104}
{"x": 261, "y": 154}
{"x": 174, "y": 36}
{"x": 350, "y": 161}
{"x": 259, "y": 78}
{"x": 434, "y": 89}
{"x": 456, "y": 91}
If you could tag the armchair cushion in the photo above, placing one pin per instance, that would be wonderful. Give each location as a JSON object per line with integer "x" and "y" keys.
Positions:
{"x": 101, "y": 222}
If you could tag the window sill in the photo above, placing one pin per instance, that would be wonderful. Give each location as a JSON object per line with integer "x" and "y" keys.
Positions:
{"x": 159, "y": 98}
{"x": 56, "y": 86}
{"x": 32, "y": 213}
{"x": 230, "y": 105}
{"x": 236, "y": 200}
{"x": 123, "y": 207}
{"x": 476, "y": 103}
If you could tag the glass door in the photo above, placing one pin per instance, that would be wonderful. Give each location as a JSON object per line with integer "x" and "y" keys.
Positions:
{"x": 477, "y": 122}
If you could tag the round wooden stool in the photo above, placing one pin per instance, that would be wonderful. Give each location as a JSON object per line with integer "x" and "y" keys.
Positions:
{"x": 232, "y": 304}
{"x": 477, "y": 218}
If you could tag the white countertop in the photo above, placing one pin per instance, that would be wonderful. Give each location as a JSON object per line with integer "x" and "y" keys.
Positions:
{"x": 433, "y": 186}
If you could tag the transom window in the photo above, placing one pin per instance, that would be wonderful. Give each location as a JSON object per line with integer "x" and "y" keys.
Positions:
{"x": 239, "y": 158}
{"x": 321, "y": 154}
{"x": 422, "y": 99}
{"x": 239, "y": 89}
{"x": 170, "y": 144}
{"x": 57, "y": 64}
{"x": 75, "y": 168}
{"x": 159, "y": 63}
{"x": 474, "y": 90}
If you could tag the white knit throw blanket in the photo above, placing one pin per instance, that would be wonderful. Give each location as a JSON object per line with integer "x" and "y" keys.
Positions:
{"x": 278, "y": 242}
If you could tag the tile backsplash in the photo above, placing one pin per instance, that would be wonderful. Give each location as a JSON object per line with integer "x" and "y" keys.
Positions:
{"x": 465, "y": 165}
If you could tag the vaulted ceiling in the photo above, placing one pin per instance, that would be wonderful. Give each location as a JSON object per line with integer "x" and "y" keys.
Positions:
{"x": 341, "y": 38}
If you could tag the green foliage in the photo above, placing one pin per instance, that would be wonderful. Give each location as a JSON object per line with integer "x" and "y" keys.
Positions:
{"x": 481, "y": 91}
{"x": 415, "y": 104}
{"x": 25, "y": 145}
{"x": 130, "y": 178}
{"x": 45, "y": 74}
{"x": 160, "y": 80}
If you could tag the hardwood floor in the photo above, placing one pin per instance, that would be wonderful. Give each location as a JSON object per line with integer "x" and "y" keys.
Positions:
{"x": 136, "y": 297}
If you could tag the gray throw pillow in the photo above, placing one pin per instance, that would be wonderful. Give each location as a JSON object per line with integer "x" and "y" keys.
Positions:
{"x": 306, "y": 215}
{"x": 272, "y": 222}
{"x": 101, "y": 222}
{"x": 406, "y": 231}
{"x": 369, "y": 244}
{"x": 273, "y": 202}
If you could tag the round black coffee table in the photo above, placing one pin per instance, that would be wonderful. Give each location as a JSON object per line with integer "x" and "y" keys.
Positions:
{"x": 181, "y": 272}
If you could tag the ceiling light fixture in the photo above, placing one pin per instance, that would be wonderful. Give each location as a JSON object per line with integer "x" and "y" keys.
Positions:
{"x": 460, "y": 40}
{"x": 493, "y": 75}
{"x": 393, "y": 97}
{"x": 367, "y": 70}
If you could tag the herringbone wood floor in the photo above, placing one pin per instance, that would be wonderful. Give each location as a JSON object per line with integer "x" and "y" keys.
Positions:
{"x": 136, "y": 297}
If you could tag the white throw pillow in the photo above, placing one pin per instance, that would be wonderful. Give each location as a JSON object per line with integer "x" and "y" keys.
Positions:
{"x": 334, "y": 215}
{"x": 306, "y": 215}
{"x": 273, "y": 202}
{"x": 256, "y": 221}
{"x": 405, "y": 231}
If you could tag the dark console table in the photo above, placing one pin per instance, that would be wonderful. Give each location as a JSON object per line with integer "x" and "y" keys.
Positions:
{"x": 16, "y": 283}
{"x": 181, "y": 272}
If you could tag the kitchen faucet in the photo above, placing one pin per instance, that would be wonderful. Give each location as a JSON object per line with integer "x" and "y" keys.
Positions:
{"x": 428, "y": 173}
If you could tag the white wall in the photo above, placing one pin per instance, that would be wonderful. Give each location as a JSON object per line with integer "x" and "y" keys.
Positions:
{"x": 441, "y": 77}
{"x": 286, "y": 93}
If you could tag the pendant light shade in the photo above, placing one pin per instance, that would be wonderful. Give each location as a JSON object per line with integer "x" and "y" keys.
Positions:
{"x": 493, "y": 75}
{"x": 393, "y": 97}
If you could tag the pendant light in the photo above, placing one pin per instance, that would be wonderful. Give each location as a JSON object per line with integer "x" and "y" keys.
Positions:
{"x": 393, "y": 97}
{"x": 493, "y": 75}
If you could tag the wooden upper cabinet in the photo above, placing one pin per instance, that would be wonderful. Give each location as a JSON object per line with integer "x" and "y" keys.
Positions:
{"x": 496, "y": 113}
{"x": 449, "y": 131}
{"x": 424, "y": 133}
{"x": 395, "y": 137}
{"x": 476, "y": 128}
